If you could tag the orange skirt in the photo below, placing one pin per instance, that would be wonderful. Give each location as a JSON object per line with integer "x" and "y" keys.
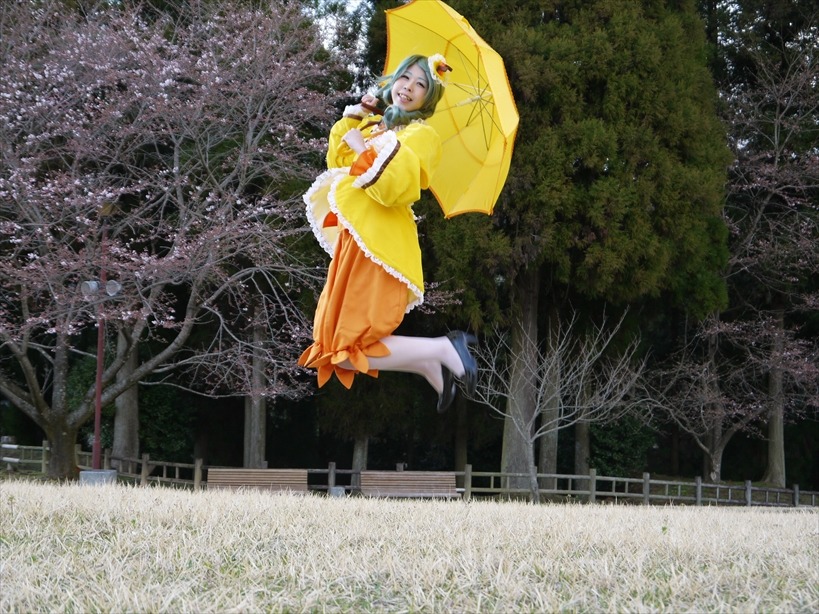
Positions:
{"x": 361, "y": 304}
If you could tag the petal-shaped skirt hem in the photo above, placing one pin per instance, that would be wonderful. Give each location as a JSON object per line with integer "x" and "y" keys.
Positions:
{"x": 360, "y": 305}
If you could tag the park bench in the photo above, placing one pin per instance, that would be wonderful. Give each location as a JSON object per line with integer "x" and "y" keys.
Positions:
{"x": 262, "y": 479}
{"x": 420, "y": 484}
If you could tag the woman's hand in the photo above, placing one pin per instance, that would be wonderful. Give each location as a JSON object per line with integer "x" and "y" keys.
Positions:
{"x": 369, "y": 101}
{"x": 355, "y": 141}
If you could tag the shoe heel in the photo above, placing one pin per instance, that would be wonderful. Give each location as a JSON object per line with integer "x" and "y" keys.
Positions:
{"x": 461, "y": 342}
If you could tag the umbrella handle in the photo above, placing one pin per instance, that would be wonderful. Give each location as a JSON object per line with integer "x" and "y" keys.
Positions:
{"x": 372, "y": 108}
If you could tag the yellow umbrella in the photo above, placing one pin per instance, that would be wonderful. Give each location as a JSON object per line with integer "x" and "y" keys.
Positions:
{"x": 476, "y": 117}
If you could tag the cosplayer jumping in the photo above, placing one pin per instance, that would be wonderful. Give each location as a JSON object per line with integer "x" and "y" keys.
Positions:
{"x": 360, "y": 210}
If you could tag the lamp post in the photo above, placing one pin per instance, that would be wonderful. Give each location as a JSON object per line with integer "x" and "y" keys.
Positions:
{"x": 92, "y": 289}
{"x": 96, "y": 454}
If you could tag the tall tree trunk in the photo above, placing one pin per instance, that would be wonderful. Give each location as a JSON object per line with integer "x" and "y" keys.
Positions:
{"x": 715, "y": 444}
{"x": 360, "y": 449}
{"x": 255, "y": 432}
{"x": 517, "y": 454}
{"x": 712, "y": 454}
{"x": 582, "y": 450}
{"x": 534, "y": 487}
{"x": 59, "y": 425}
{"x": 62, "y": 461}
{"x": 775, "y": 471}
{"x": 461, "y": 436}
{"x": 550, "y": 413}
{"x": 200, "y": 442}
{"x": 126, "y": 418}
{"x": 714, "y": 458}
{"x": 256, "y": 406}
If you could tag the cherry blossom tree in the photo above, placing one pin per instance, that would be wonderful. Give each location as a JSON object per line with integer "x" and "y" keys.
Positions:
{"x": 167, "y": 154}
{"x": 720, "y": 383}
{"x": 773, "y": 209}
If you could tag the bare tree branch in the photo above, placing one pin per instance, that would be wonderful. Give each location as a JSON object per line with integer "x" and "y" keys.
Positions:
{"x": 577, "y": 371}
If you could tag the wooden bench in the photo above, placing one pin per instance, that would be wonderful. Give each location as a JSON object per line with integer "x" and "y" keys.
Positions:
{"x": 262, "y": 479}
{"x": 420, "y": 484}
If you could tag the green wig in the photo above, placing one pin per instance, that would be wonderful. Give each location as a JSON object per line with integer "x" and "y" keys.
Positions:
{"x": 394, "y": 116}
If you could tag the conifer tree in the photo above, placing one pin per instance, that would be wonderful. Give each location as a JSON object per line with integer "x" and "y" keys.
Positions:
{"x": 616, "y": 186}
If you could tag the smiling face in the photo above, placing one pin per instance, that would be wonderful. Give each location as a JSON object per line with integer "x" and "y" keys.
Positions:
{"x": 410, "y": 89}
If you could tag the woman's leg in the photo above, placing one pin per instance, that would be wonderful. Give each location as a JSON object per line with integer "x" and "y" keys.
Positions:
{"x": 421, "y": 355}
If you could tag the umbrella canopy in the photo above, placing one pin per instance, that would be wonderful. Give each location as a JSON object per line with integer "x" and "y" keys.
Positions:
{"x": 476, "y": 117}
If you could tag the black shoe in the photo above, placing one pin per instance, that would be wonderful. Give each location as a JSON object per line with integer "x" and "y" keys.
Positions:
{"x": 461, "y": 342}
{"x": 448, "y": 394}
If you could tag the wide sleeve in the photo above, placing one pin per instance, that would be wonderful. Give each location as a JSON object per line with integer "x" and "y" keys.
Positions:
{"x": 339, "y": 154}
{"x": 402, "y": 166}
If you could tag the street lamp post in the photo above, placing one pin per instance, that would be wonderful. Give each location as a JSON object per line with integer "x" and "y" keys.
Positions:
{"x": 92, "y": 289}
{"x": 96, "y": 455}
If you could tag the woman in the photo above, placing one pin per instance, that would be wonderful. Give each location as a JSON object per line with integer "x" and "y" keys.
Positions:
{"x": 360, "y": 210}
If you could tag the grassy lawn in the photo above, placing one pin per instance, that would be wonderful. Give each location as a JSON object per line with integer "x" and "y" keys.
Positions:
{"x": 72, "y": 548}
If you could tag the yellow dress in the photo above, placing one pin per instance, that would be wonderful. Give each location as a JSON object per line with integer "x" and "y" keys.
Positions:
{"x": 360, "y": 210}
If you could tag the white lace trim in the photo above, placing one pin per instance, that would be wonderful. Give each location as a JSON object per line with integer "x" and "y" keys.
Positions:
{"x": 419, "y": 295}
{"x": 315, "y": 223}
{"x": 354, "y": 110}
{"x": 385, "y": 145}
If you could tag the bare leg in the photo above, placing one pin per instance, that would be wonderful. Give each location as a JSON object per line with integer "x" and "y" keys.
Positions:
{"x": 421, "y": 355}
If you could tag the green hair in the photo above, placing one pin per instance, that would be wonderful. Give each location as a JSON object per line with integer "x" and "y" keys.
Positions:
{"x": 394, "y": 116}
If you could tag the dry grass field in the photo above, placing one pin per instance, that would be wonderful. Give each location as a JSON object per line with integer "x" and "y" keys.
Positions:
{"x": 72, "y": 548}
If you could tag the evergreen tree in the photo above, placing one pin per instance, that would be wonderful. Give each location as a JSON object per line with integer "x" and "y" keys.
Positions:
{"x": 616, "y": 187}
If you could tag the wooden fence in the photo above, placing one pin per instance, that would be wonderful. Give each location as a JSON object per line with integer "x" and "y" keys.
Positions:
{"x": 591, "y": 488}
